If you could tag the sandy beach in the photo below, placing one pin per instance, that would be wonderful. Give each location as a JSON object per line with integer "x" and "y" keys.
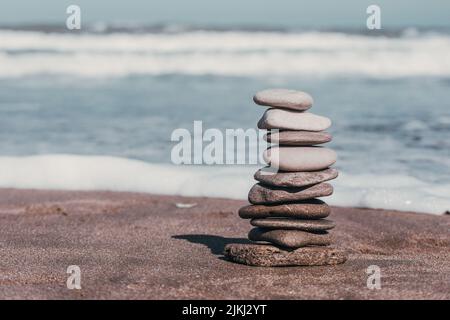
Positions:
{"x": 141, "y": 246}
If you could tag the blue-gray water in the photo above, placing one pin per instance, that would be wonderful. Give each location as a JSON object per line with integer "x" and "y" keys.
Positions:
{"x": 122, "y": 94}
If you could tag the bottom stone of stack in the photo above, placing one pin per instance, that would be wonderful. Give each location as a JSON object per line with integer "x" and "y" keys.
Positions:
{"x": 263, "y": 255}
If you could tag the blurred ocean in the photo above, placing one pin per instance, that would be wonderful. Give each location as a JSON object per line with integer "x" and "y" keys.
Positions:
{"x": 119, "y": 92}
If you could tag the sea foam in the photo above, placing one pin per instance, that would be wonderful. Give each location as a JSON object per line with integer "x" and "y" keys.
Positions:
{"x": 74, "y": 172}
{"x": 232, "y": 53}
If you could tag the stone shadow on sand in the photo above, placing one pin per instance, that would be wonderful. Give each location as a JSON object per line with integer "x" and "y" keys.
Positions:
{"x": 215, "y": 243}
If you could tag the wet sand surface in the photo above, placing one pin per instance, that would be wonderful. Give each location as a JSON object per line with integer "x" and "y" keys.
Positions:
{"x": 140, "y": 246}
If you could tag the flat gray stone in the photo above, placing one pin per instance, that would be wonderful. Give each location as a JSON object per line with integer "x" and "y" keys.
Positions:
{"x": 293, "y": 120}
{"x": 297, "y": 159}
{"x": 309, "y": 209}
{"x": 290, "y": 238}
{"x": 294, "y": 179}
{"x": 298, "y": 138}
{"x": 293, "y": 224}
{"x": 260, "y": 255}
{"x": 260, "y": 194}
{"x": 284, "y": 98}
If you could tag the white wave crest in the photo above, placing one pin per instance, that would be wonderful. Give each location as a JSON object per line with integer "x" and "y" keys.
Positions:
{"x": 73, "y": 172}
{"x": 223, "y": 53}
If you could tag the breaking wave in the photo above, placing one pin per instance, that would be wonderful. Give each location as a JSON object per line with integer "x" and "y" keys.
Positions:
{"x": 224, "y": 53}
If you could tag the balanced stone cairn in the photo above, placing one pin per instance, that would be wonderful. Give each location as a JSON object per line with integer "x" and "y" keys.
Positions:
{"x": 284, "y": 209}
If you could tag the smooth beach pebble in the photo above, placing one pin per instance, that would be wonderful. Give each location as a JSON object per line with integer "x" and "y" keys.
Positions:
{"x": 309, "y": 209}
{"x": 298, "y": 138}
{"x": 261, "y": 255}
{"x": 294, "y": 179}
{"x": 299, "y": 158}
{"x": 293, "y": 224}
{"x": 290, "y": 238}
{"x": 260, "y": 194}
{"x": 284, "y": 98}
{"x": 293, "y": 120}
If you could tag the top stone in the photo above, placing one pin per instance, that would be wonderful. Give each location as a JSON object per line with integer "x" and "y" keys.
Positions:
{"x": 284, "y": 98}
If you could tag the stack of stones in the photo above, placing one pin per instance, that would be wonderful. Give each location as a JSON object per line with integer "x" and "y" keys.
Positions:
{"x": 284, "y": 207}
